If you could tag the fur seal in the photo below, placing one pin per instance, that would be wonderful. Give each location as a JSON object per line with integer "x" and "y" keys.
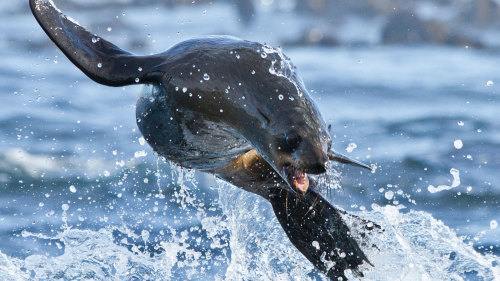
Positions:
{"x": 233, "y": 108}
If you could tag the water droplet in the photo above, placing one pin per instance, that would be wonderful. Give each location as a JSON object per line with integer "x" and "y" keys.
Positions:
{"x": 253, "y": 72}
{"x": 204, "y": 12}
{"x": 315, "y": 244}
{"x": 94, "y": 40}
{"x": 99, "y": 65}
{"x": 72, "y": 188}
{"x": 137, "y": 80}
{"x": 351, "y": 146}
{"x": 206, "y": 77}
{"x": 109, "y": 29}
{"x": 140, "y": 68}
{"x": 221, "y": 110}
{"x": 142, "y": 141}
{"x": 140, "y": 153}
{"x": 176, "y": 89}
{"x": 106, "y": 173}
{"x": 389, "y": 195}
{"x": 460, "y": 123}
{"x": 493, "y": 224}
{"x": 237, "y": 56}
{"x": 263, "y": 55}
{"x": 280, "y": 97}
{"x": 184, "y": 89}
{"x": 458, "y": 144}
{"x": 489, "y": 83}
{"x": 65, "y": 207}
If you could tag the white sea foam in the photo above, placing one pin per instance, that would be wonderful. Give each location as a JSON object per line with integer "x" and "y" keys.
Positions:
{"x": 48, "y": 166}
{"x": 411, "y": 246}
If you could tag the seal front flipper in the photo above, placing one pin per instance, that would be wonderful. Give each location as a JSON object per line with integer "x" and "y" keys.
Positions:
{"x": 317, "y": 230}
{"x": 99, "y": 59}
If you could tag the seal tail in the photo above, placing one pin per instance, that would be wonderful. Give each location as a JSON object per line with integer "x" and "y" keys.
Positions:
{"x": 99, "y": 59}
{"x": 317, "y": 230}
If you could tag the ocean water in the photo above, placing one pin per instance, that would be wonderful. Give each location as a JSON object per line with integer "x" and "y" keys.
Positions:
{"x": 84, "y": 198}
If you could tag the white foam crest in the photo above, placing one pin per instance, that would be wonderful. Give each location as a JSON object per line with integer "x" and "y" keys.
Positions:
{"x": 9, "y": 270}
{"x": 48, "y": 166}
{"x": 416, "y": 246}
{"x": 412, "y": 246}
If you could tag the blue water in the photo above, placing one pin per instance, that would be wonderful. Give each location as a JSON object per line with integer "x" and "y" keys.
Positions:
{"x": 82, "y": 196}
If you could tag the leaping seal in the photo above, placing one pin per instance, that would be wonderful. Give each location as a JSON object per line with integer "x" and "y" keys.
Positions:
{"x": 233, "y": 108}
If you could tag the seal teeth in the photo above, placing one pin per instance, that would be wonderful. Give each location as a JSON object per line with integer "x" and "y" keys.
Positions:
{"x": 301, "y": 181}
{"x": 297, "y": 180}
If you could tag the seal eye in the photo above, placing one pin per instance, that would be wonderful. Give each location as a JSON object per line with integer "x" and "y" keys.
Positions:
{"x": 292, "y": 141}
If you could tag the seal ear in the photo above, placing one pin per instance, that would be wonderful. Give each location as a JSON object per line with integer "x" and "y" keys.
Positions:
{"x": 99, "y": 59}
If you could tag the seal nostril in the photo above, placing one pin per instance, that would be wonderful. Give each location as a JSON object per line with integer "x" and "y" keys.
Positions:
{"x": 321, "y": 168}
{"x": 318, "y": 168}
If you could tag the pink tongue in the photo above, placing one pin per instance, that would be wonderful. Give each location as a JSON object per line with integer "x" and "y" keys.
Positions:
{"x": 301, "y": 181}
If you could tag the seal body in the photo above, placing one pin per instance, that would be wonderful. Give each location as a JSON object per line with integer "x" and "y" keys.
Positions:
{"x": 221, "y": 97}
{"x": 234, "y": 108}
{"x": 184, "y": 136}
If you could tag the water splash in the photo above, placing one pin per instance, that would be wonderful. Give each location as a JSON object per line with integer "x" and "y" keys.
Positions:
{"x": 242, "y": 240}
{"x": 416, "y": 246}
{"x": 282, "y": 66}
{"x": 456, "y": 182}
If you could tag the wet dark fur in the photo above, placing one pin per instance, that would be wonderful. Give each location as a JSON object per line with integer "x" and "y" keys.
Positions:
{"x": 234, "y": 146}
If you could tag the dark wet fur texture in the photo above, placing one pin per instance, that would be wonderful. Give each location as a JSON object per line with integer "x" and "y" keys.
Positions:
{"x": 316, "y": 228}
{"x": 181, "y": 137}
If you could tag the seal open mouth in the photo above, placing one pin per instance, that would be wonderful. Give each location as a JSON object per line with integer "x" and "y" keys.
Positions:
{"x": 297, "y": 179}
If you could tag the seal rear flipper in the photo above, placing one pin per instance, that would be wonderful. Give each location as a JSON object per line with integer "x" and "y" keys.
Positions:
{"x": 99, "y": 59}
{"x": 317, "y": 230}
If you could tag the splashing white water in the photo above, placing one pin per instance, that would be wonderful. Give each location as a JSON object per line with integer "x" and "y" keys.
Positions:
{"x": 411, "y": 246}
{"x": 456, "y": 182}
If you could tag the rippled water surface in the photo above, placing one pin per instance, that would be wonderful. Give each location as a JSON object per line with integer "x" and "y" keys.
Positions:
{"x": 82, "y": 196}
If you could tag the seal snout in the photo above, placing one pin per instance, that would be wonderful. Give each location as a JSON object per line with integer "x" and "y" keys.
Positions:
{"x": 312, "y": 161}
{"x": 319, "y": 167}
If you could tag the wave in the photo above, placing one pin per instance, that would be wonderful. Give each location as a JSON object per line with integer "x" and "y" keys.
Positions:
{"x": 246, "y": 242}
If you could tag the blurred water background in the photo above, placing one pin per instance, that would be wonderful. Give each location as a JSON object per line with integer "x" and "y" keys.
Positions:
{"x": 412, "y": 86}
